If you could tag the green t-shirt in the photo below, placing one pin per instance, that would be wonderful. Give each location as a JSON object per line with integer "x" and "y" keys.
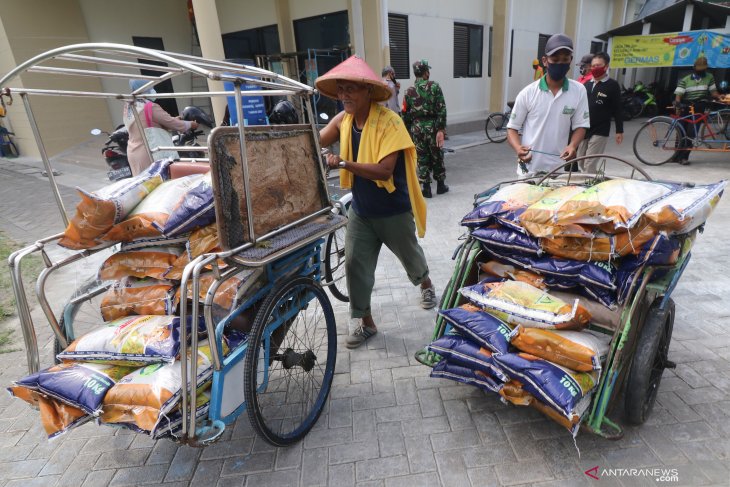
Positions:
{"x": 691, "y": 89}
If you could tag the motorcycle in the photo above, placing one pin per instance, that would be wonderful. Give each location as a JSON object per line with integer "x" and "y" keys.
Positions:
{"x": 115, "y": 148}
{"x": 638, "y": 101}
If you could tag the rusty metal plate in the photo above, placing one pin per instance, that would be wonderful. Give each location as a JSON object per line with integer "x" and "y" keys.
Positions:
{"x": 285, "y": 180}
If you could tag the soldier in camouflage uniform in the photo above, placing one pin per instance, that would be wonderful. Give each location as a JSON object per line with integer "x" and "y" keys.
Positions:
{"x": 424, "y": 113}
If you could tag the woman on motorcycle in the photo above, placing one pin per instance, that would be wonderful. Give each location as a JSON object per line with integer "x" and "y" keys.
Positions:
{"x": 152, "y": 115}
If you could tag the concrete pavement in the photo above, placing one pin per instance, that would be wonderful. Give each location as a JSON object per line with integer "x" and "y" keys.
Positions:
{"x": 387, "y": 423}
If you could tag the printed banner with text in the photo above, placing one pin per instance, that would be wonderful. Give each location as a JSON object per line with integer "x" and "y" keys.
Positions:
{"x": 671, "y": 49}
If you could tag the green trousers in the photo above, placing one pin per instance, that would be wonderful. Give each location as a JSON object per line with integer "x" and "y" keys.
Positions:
{"x": 365, "y": 237}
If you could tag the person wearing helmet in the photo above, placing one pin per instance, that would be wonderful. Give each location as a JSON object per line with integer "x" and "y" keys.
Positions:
{"x": 378, "y": 161}
{"x": 424, "y": 112}
{"x": 539, "y": 72}
{"x": 585, "y": 69}
{"x": 151, "y": 115}
{"x": 694, "y": 89}
{"x": 283, "y": 113}
{"x": 388, "y": 74}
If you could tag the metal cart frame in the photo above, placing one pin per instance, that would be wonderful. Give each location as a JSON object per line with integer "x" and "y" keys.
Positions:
{"x": 297, "y": 244}
{"x": 644, "y": 297}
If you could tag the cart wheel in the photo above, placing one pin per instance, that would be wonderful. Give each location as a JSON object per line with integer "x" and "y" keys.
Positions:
{"x": 334, "y": 264}
{"x": 650, "y": 360}
{"x": 81, "y": 315}
{"x": 290, "y": 361}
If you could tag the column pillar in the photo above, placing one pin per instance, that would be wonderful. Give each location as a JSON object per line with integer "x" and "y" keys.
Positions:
{"x": 372, "y": 23}
{"x": 689, "y": 9}
{"x": 211, "y": 45}
{"x": 501, "y": 13}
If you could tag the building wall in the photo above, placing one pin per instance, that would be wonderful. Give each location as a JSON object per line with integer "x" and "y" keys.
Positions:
{"x": 167, "y": 19}
{"x": 431, "y": 36}
{"x": 235, "y": 15}
{"x": 63, "y": 122}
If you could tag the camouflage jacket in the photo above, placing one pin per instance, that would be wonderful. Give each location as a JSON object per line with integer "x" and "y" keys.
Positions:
{"x": 424, "y": 102}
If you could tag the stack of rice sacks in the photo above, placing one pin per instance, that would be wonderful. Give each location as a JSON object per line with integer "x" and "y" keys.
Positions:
{"x": 126, "y": 373}
{"x": 549, "y": 256}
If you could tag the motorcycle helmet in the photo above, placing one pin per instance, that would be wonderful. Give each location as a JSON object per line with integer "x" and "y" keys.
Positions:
{"x": 283, "y": 113}
{"x": 194, "y": 113}
{"x": 723, "y": 86}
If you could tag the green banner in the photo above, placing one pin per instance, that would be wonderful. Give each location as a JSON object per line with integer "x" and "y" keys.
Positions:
{"x": 671, "y": 49}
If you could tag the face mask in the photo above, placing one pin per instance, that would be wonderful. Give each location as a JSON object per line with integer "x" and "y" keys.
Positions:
{"x": 598, "y": 72}
{"x": 558, "y": 71}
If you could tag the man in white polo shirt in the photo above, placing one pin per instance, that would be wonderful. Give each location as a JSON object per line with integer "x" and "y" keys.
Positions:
{"x": 547, "y": 110}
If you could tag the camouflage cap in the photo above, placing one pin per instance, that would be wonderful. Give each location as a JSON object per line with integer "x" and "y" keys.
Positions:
{"x": 420, "y": 67}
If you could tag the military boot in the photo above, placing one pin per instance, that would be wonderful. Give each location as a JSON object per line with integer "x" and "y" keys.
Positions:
{"x": 441, "y": 187}
{"x": 426, "y": 190}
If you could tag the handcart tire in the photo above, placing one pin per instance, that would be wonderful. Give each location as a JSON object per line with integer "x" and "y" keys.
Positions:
{"x": 92, "y": 316}
{"x": 650, "y": 360}
{"x": 278, "y": 400}
{"x": 334, "y": 265}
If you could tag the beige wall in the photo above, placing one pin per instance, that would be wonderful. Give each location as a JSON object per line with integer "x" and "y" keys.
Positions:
{"x": 63, "y": 122}
{"x": 167, "y": 19}
{"x": 242, "y": 15}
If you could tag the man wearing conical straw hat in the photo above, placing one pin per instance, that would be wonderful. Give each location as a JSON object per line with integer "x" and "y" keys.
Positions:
{"x": 378, "y": 161}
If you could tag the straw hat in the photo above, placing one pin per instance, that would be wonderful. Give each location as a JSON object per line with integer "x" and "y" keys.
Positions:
{"x": 356, "y": 70}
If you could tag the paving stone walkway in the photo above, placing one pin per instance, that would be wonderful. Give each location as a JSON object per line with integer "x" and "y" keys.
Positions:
{"x": 386, "y": 422}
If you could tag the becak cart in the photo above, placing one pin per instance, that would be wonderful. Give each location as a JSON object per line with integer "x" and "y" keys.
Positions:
{"x": 270, "y": 351}
{"x": 620, "y": 282}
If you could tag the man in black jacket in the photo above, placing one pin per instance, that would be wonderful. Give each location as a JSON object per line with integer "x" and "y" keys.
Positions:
{"x": 604, "y": 103}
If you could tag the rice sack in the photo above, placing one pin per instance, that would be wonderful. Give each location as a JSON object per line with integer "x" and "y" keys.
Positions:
{"x": 507, "y": 240}
{"x": 99, "y": 211}
{"x": 134, "y": 340}
{"x": 507, "y": 271}
{"x": 596, "y": 279}
{"x": 615, "y": 201}
{"x": 152, "y": 262}
{"x": 685, "y": 210}
{"x": 566, "y": 391}
{"x": 519, "y": 303}
{"x": 172, "y": 425}
{"x": 486, "y": 330}
{"x": 146, "y": 395}
{"x": 201, "y": 241}
{"x": 81, "y": 385}
{"x": 539, "y": 219}
{"x": 230, "y": 293}
{"x": 154, "y": 209}
{"x": 56, "y": 417}
{"x": 582, "y": 351}
{"x": 513, "y": 392}
{"x": 505, "y": 206}
{"x": 460, "y": 351}
{"x": 194, "y": 210}
{"x": 600, "y": 246}
{"x": 132, "y": 296}
{"x": 447, "y": 370}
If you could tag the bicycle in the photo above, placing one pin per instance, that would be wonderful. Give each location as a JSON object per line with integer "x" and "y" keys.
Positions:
{"x": 658, "y": 141}
{"x": 496, "y": 125}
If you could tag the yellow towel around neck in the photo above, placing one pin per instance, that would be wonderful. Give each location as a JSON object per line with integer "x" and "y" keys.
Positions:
{"x": 383, "y": 134}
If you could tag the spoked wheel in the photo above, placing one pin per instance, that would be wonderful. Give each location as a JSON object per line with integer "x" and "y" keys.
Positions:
{"x": 334, "y": 264}
{"x": 650, "y": 360}
{"x": 496, "y": 127}
{"x": 81, "y": 313}
{"x": 290, "y": 361}
{"x": 657, "y": 141}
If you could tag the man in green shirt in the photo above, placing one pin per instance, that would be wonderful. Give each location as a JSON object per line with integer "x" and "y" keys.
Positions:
{"x": 694, "y": 89}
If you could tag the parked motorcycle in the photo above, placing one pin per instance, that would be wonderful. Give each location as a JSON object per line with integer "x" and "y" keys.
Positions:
{"x": 115, "y": 148}
{"x": 639, "y": 101}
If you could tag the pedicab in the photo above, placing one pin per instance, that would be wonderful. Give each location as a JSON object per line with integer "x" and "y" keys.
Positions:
{"x": 273, "y": 216}
{"x": 640, "y": 328}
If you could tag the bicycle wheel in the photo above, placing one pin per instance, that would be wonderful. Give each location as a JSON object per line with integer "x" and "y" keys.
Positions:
{"x": 334, "y": 264}
{"x": 496, "y": 127}
{"x": 290, "y": 361}
{"x": 10, "y": 149}
{"x": 657, "y": 141}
